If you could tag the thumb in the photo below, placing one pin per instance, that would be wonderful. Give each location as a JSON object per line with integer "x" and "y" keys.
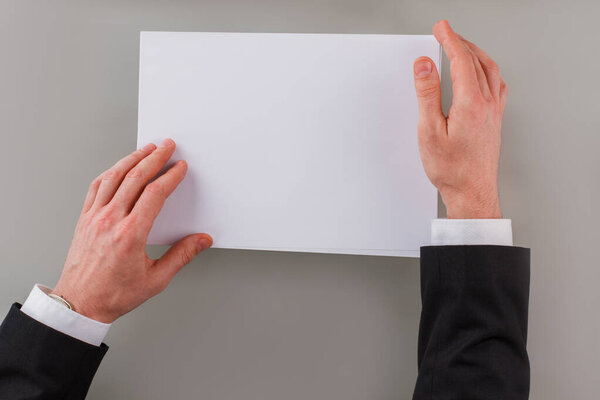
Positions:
{"x": 429, "y": 92}
{"x": 181, "y": 254}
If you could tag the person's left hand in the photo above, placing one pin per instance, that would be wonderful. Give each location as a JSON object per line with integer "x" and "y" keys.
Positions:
{"x": 107, "y": 272}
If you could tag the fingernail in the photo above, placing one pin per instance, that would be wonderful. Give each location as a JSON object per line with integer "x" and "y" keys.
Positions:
{"x": 166, "y": 143}
{"x": 203, "y": 244}
{"x": 423, "y": 68}
{"x": 149, "y": 147}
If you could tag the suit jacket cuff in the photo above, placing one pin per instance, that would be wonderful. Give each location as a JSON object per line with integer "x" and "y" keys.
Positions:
{"x": 42, "y": 362}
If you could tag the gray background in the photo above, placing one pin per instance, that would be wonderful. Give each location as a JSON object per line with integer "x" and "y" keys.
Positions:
{"x": 265, "y": 325}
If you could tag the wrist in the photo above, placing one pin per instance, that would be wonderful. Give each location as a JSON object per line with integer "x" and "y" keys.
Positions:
{"x": 41, "y": 307}
{"x": 81, "y": 305}
{"x": 484, "y": 205}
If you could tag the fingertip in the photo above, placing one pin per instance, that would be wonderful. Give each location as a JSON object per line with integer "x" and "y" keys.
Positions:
{"x": 168, "y": 142}
{"x": 423, "y": 67}
{"x": 148, "y": 148}
{"x": 207, "y": 237}
{"x": 442, "y": 28}
{"x": 438, "y": 25}
{"x": 204, "y": 241}
{"x": 181, "y": 164}
{"x": 422, "y": 58}
{"x": 437, "y": 30}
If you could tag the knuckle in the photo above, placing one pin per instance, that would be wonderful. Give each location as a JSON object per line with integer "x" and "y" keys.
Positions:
{"x": 134, "y": 173}
{"x": 104, "y": 221}
{"x": 493, "y": 67}
{"x": 107, "y": 217}
{"x": 477, "y": 109}
{"x": 477, "y": 104}
{"x": 156, "y": 188}
{"x": 95, "y": 182}
{"x": 455, "y": 55}
{"x": 186, "y": 256}
{"x": 126, "y": 231}
{"x": 110, "y": 174}
{"x": 474, "y": 104}
{"x": 111, "y": 209}
{"x": 428, "y": 92}
{"x": 85, "y": 221}
{"x": 160, "y": 284}
{"x": 161, "y": 153}
{"x": 157, "y": 281}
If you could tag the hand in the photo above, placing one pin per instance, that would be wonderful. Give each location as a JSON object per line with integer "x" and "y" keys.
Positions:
{"x": 107, "y": 272}
{"x": 460, "y": 153}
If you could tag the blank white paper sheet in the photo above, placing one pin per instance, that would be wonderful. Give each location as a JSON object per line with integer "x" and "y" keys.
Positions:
{"x": 295, "y": 142}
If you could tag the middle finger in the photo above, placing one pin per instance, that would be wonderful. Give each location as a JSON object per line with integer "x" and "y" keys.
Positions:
{"x": 490, "y": 67}
{"x": 481, "y": 77}
{"x": 141, "y": 174}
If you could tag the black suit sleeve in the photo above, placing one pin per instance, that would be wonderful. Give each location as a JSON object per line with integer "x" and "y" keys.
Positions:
{"x": 473, "y": 330}
{"x": 40, "y": 363}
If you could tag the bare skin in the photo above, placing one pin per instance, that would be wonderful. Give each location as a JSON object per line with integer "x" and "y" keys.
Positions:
{"x": 460, "y": 152}
{"x": 107, "y": 272}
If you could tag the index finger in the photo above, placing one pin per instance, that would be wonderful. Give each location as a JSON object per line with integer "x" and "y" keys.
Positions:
{"x": 464, "y": 76}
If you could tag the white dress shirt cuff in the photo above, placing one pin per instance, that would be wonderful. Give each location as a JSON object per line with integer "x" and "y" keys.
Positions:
{"x": 49, "y": 312}
{"x": 471, "y": 232}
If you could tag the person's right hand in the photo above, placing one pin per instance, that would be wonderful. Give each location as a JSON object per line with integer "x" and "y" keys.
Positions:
{"x": 107, "y": 272}
{"x": 460, "y": 153}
